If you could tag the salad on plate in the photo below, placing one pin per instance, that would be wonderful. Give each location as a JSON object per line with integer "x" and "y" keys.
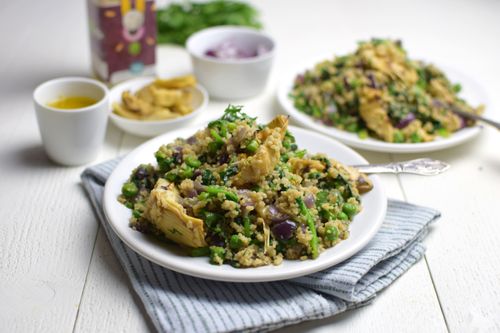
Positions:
{"x": 379, "y": 92}
{"x": 244, "y": 194}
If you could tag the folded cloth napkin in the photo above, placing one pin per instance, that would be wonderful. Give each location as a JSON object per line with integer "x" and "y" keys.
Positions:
{"x": 180, "y": 303}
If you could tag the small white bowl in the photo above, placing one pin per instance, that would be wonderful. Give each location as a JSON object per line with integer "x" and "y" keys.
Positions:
{"x": 231, "y": 79}
{"x": 150, "y": 128}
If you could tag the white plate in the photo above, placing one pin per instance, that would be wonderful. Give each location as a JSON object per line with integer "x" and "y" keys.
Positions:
{"x": 152, "y": 128}
{"x": 472, "y": 92}
{"x": 362, "y": 229}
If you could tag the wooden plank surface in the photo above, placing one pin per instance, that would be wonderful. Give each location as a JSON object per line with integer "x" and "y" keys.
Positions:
{"x": 57, "y": 270}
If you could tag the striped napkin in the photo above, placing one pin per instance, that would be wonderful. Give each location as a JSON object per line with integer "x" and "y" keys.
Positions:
{"x": 180, "y": 303}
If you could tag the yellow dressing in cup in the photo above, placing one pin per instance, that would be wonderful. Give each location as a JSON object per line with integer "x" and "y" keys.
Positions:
{"x": 72, "y": 102}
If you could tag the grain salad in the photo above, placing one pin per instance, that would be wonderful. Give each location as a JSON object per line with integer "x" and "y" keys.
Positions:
{"x": 378, "y": 91}
{"x": 244, "y": 194}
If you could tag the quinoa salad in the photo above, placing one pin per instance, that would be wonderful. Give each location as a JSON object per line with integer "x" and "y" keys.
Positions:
{"x": 244, "y": 194}
{"x": 379, "y": 92}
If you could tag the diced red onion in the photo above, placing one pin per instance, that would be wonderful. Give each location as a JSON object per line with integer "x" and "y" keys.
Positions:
{"x": 199, "y": 187}
{"x": 229, "y": 50}
{"x": 463, "y": 122}
{"x": 373, "y": 82}
{"x": 243, "y": 191}
{"x": 223, "y": 158}
{"x": 196, "y": 173}
{"x": 437, "y": 103}
{"x": 247, "y": 203}
{"x": 284, "y": 230}
{"x": 275, "y": 215}
{"x": 247, "y": 200}
{"x": 215, "y": 240}
{"x": 331, "y": 108}
{"x": 406, "y": 120}
{"x": 140, "y": 173}
{"x": 261, "y": 49}
{"x": 299, "y": 79}
{"x": 346, "y": 83}
{"x": 192, "y": 193}
{"x": 309, "y": 200}
{"x": 177, "y": 155}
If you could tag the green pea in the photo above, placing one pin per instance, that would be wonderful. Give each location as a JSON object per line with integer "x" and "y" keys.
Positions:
{"x": 331, "y": 233}
{"x": 231, "y": 126}
{"x": 327, "y": 215}
{"x": 165, "y": 164}
{"x": 207, "y": 177}
{"x": 192, "y": 161}
{"x": 399, "y": 137}
{"x": 171, "y": 176}
{"x": 321, "y": 197}
{"x": 213, "y": 147}
{"x": 415, "y": 138}
{"x": 200, "y": 251}
{"x": 216, "y": 136}
{"x": 286, "y": 143}
{"x": 457, "y": 88}
{"x": 314, "y": 175}
{"x": 355, "y": 83}
{"x": 223, "y": 129}
{"x": 216, "y": 252}
{"x": 353, "y": 127}
{"x": 350, "y": 209}
{"x": 160, "y": 156}
{"x": 235, "y": 242}
{"x": 203, "y": 196}
{"x": 211, "y": 219}
{"x": 252, "y": 146}
{"x": 256, "y": 188}
{"x": 363, "y": 134}
{"x": 443, "y": 132}
{"x": 246, "y": 226}
{"x": 186, "y": 173}
{"x": 300, "y": 153}
{"x": 316, "y": 111}
{"x": 343, "y": 216}
{"x": 339, "y": 88}
{"x": 129, "y": 190}
{"x": 214, "y": 190}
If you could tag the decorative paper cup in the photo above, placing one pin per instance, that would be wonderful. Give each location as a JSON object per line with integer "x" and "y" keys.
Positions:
{"x": 72, "y": 136}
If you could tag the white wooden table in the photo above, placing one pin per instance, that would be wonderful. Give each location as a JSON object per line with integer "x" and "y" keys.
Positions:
{"x": 57, "y": 271}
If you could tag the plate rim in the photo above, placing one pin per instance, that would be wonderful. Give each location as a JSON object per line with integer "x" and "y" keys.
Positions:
{"x": 371, "y": 144}
{"x": 109, "y": 200}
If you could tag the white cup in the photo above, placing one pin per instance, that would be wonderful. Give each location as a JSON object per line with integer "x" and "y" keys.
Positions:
{"x": 72, "y": 137}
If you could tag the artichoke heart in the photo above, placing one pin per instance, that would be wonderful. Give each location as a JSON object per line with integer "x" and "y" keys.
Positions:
{"x": 167, "y": 214}
{"x": 255, "y": 167}
{"x": 359, "y": 183}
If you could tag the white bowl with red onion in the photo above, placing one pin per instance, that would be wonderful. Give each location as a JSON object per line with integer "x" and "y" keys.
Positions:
{"x": 232, "y": 63}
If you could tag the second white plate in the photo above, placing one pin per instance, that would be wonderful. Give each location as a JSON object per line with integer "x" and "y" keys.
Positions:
{"x": 362, "y": 229}
{"x": 472, "y": 92}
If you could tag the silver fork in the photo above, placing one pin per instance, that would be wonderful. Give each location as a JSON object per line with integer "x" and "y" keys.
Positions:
{"x": 421, "y": 166}
{"x": 476, "y": 117}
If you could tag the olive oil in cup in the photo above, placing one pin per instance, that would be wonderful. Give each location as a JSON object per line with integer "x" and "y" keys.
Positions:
{"x": 72, "y": 102}
{"x": 72, "y": 128}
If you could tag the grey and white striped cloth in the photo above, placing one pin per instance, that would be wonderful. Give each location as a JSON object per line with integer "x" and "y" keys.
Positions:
{"x": 180, "y": 303}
